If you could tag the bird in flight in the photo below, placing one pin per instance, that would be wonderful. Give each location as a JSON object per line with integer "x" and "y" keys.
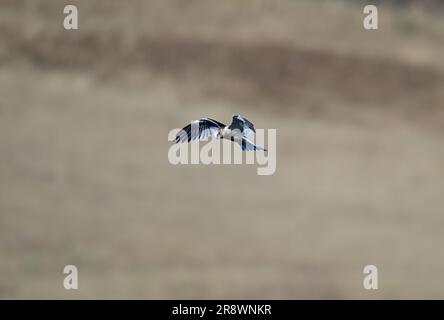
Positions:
{"x": 236, "y": 131}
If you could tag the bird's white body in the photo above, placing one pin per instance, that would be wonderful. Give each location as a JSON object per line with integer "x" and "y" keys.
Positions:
{"x": 226, "y": 133}
{"x": 229, "y": 134}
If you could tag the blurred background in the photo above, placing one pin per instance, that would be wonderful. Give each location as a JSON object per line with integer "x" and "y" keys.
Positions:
{"x": 85, "y": 178}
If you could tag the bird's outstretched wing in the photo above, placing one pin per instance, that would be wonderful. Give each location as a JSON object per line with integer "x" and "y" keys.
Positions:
{"x": 199, "y": 129}
{"x": 248, "y": 145}
{"x": 242, "y": 124}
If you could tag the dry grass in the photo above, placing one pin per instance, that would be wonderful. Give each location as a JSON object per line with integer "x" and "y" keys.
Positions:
{"x": 85, "y": 180}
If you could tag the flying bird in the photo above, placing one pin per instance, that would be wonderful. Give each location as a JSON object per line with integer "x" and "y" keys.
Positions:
{"x": 236, "y": 131}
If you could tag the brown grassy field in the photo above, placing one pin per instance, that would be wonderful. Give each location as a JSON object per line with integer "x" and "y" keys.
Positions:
{"x": 85, "y": 179}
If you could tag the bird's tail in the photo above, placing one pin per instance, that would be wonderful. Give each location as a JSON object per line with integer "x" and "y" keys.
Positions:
{"x": 248, "y": 145}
